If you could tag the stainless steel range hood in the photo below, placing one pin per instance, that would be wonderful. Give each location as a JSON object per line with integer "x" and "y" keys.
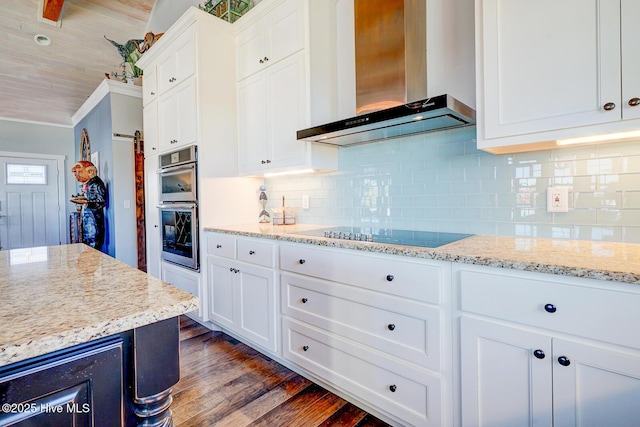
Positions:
{"x": 433, "y": 114}
{"x": 391, "y": 92}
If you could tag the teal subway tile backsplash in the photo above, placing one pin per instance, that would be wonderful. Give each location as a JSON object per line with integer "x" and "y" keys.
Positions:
{"x": 442, "y": 182}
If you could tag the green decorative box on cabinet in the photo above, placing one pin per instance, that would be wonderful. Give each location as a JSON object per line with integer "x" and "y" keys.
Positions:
{"x": 229, "y": 10}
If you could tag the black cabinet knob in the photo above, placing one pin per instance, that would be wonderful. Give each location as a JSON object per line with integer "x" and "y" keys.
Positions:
{"x": 391, "y": 326}
{"x": 389, "y": 278}
{"x": 393, "y": 388}
{"x": 634, "y": 102}
{"x": 218, "y": 246}
{"x": 564, "y": 361}
{"x": 305, "y": 348}
{"x": 302, "y": 261}
{"x": 252, "y": 252}
{"x": 609, "y": 106}
{"x": 304, "y": 300}
{"x": 539, "y": 354}
{"x": 550, "y": 308}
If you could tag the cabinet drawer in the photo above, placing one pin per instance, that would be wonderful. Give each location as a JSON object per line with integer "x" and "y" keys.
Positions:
{"x": 402, "y": 328}
{"x": 415, "y": 280}
{"x": 221, "y": 245}
{"x": 256, "y": 252}
{"x": 601, "y": 314}
{"x": 410, "y": 395}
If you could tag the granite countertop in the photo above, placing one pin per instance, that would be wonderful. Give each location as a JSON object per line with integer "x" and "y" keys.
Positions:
{"x": 59, "y": 296}
{"x": 578, "y": 258}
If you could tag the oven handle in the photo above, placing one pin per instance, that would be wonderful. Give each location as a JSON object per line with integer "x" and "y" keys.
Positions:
{"x": 177, "y": 168}
{"x": 191, "y": 206}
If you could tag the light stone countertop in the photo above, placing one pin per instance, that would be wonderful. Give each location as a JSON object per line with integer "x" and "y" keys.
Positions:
{"x": 618, "y": 262}
{"x": 59, "y": 296}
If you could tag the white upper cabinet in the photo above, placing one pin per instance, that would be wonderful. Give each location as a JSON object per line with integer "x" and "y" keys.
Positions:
{"x": 178, "y": 62}
{"x": 149, "y": 86}
{"x": 270, "y": 39}
{"x": 549, "y": 70}
{"x": 286, "y": 72}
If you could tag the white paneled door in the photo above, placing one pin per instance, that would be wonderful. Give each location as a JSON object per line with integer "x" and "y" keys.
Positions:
{"x": 29, "y": 202}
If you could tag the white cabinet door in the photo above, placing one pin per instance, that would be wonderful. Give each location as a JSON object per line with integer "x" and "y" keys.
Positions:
{"x": 630, "y": 14}
{"x": 286, "y": 99}
{"x": 221, "y": 288}
{"x": 595, "y": 387}
{"x": 251, "y": 51}
{"x": 178, "y": 62}
{"x": 506, "y": 376}
{"x": 178, "y": 123}
{"x": 252, "y": 124}
{"x": 548, "y": 64}
{"x": 150, "y": 123}
{"x": 242, "y": 298}
{"x": 275, "y": 36}
{"x": 256, "y": 305}
{"x": 285, "y": 30}
{"x": 149, "y": 85}
{"x": 186, "y": 280}
{"x": 271, "y": 111}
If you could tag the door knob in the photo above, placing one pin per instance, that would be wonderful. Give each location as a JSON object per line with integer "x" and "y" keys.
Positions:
{"x": 609, "y": 106}
{"x": 550, "y": 308}
{"x": 539, "y": 354}
{"x": 634, "y": 102}
{"x": 564, "y": 361}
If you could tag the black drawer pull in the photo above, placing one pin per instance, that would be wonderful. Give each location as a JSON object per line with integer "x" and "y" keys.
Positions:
{"x": 393, "y": 388}
{"x": 390, "y": 278}
{"x": 564, "y": 361}
{"x": 391, "y": 326}
{"x": 218, "y": 246}
{"x": 539, "y": 354}
{"x": 305, "y": 348}
{"x": 302, "y": 261}
{"x": 252, "y": 252}
{"x": 304, "y": 300}
{"x": 550, "y": 308}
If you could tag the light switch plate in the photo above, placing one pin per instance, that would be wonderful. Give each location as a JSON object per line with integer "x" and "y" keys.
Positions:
{"x": 557, "y": 199}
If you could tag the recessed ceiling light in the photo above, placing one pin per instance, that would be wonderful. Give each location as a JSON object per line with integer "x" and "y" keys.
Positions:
{"x": 42, "y": 40}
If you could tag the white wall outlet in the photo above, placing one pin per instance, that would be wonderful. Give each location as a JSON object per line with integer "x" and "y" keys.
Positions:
{"x": 557, "y": 199}
{"x": 305, "y": 201}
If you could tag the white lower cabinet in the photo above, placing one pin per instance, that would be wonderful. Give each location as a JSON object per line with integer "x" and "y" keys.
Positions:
{"x": 527, "y": 356}
{"x": 370, "y": 325}
{"x": 242, "y": 291}
{"x": 188, "y": 281}
{"x": 381, "y": 380}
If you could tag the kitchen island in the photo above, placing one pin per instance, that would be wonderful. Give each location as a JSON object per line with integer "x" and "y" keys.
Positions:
{"x": 86, "y": 339}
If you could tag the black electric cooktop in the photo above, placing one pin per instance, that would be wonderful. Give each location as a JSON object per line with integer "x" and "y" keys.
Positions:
{"x": 425, "y": 239}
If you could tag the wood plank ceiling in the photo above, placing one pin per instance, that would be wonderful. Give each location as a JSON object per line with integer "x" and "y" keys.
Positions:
{"x": 49, "y": 83}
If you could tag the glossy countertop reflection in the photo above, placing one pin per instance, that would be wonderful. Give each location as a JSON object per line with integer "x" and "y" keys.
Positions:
{"x": 59, "y": 296}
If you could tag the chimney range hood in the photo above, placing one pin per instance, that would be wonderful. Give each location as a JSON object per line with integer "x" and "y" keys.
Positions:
{"x": 390, "y": 65}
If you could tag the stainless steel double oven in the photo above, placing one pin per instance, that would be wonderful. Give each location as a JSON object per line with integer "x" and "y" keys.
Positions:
{"x": 178, "y": 183}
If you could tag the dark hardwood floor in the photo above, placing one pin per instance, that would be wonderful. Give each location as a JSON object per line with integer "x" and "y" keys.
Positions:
{"x": 226, "y": 383}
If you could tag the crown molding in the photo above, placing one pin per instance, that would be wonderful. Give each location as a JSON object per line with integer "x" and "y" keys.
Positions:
{"x": 106, "y": 87}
